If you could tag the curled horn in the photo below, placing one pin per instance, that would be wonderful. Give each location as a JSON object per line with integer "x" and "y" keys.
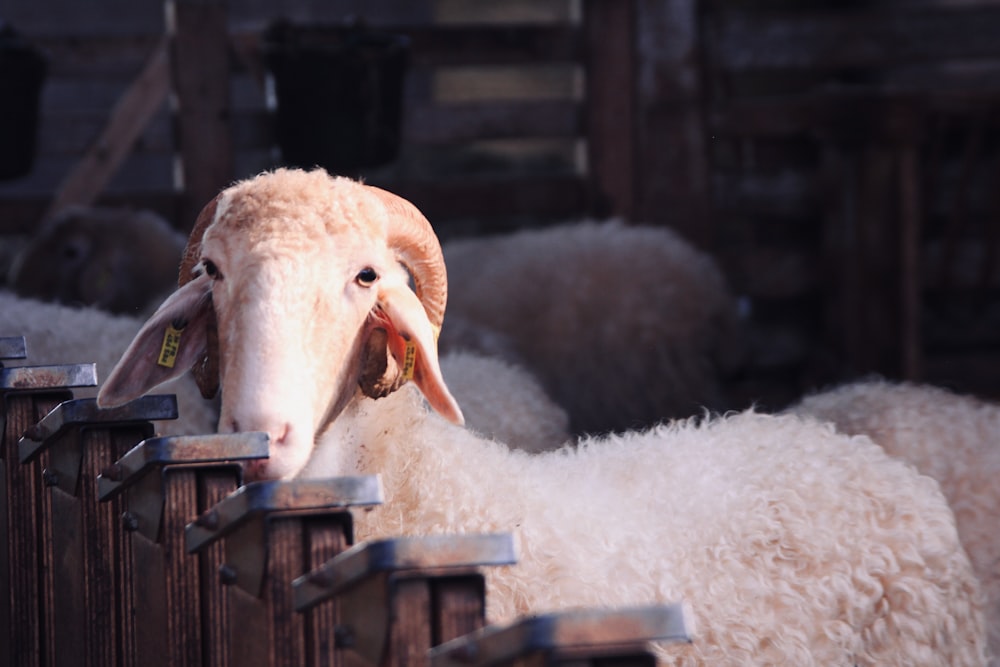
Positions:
{"x": 206, "y": 370}
{"x": 413, "y": 240}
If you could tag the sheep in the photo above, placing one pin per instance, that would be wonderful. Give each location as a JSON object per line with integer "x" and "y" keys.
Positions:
{"x": 57, "y": 334}
{"x": 115, "y": 259}
{"x": 504, "y": 402}
{"x": 950, "y": 437}
{"x": 792, "y": 544}
{"x": 623, "y": 325}
{"x": 788, "y": 542}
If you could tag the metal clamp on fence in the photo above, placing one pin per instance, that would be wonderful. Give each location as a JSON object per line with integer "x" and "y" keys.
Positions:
{"x": 241, "y": 518}
{"x": 406, "y": 594}
{"x": 577, "y": 636}
{"x": 83, "y": 412}
{"x": 132, "y": 472}
{"x": 274, "y": 531}
{"x": 13, "y": 347}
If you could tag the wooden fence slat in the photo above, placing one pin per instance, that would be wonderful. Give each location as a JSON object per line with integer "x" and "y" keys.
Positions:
{"x": 133, "y": 111}
{"x": 855, "y": 38}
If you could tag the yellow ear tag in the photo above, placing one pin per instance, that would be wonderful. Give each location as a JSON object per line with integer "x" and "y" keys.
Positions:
{"x": 410, "y": 355}
{"x": 171, "y": 344}
{"x": 409, "y": 360}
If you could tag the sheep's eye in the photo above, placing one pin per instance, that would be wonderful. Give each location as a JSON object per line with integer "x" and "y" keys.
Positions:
{"x": 211, "y": 269}
{"x": 367, "y": 277}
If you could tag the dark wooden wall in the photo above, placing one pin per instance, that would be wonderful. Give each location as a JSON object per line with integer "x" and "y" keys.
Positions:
{"x": 839, "y": 158}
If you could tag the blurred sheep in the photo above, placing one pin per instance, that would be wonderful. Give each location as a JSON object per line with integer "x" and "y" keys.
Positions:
{"x": 624, "y": 326}
{"x": 118, "y": 260}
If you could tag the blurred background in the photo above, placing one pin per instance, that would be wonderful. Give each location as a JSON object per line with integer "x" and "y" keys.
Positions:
{"x": 838, "y": 159}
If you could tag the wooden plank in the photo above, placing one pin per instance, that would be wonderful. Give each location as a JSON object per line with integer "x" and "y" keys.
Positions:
{"x": 495, "y": 45}
{"x": 108, "y": 55}
{"x": 426, "y": 124}
{"x": 538, "y": 198}
{"x": 853, "y": 38}
{"x": 611, "y": 105}
{"x": 672, "y": 164}
{"x": 200, "y": 69}
{"x": 130, "y": 116}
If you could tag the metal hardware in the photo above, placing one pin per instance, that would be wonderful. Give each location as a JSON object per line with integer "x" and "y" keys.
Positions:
{"x": 587, "y": 632}
{"x": 13, "y": 347}
{"x": 30, "y": 378}
{"x": 398, "y": 554}
{"x": 84, "y": 411}
{"x": 241, "y": 518}
{"x": 135, "y": 472}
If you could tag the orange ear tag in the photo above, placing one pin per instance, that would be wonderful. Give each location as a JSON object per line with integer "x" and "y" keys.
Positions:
{"x": 170, "y": 347}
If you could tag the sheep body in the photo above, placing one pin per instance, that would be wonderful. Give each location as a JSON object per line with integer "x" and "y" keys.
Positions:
{"x": 116, "y": 259}
{"x": 57, "y": 334}
{"x": 950, "y": 437}
{"x": 623, "y": 325}
{"x": 790, "y": 543}
{"x": 504, "y": 402}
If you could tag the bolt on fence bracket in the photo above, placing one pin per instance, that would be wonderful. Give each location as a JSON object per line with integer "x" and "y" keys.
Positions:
{"x": 138, "y": 472}
{"x": 241, "y": 518}
{"x": 583, "y": 633}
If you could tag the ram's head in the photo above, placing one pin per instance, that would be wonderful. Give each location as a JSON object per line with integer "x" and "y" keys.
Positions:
{"x": 294, "y": 296}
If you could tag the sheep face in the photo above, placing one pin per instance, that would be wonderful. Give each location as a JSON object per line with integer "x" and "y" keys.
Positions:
{"x": 297, "y": 292}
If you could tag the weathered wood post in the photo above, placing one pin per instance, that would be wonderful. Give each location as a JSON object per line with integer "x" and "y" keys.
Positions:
{"x": 399, "y": 597}
{"x": 166, "y": 482}
{"x": 28, "y": 393}
{"x": 85, "y": 588}
{"x": 274, "y": 532}
{"x": 581, "y": 638}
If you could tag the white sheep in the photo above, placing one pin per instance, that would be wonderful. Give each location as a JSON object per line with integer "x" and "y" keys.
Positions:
{"x": 57, "y": 334}
{"x": 951, "y": 437}
{"x": 789, "y": 543}
{"x": 116, "y": 259}
{"x": 504, "y": 402}
{"x": 792, "y": 544}
{"x": 623, "y": 325}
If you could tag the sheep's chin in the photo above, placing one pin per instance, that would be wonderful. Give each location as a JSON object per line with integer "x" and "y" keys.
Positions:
{"x": 285, "y": 462}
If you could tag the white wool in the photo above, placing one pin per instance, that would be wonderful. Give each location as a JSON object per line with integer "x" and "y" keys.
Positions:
{"x": 953, "y": 438}
{"x": 791, "y": 544}
{"x": 504, "y": 402}
{"x": 623, "y": 325}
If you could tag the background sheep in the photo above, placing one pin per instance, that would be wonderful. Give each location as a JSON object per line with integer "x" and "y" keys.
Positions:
{"x": 623, "y": 325}
{"x": 504, "y": 402}
{"x": 954, "y": 439}
{"x": 119, "y": 260}
{"x": 790, "y": 543}
{"x": 57, "y": 334}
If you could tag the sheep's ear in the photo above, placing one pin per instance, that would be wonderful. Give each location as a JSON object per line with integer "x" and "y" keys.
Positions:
{"x": 412, "y": 342}
{"x": 173, "y": 340}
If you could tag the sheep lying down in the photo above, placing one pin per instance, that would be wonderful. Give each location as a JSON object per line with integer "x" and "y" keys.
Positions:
{"x": 791, "y": 544}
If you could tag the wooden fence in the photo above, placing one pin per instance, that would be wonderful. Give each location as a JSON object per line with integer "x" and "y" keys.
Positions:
{"x": 126, "y": 549}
